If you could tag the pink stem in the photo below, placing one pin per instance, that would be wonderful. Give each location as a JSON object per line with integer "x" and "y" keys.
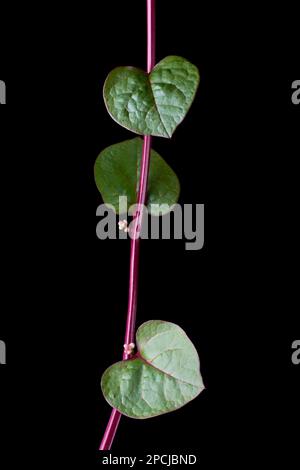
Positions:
{"x": 111, "y": 430}
{"x": 150, "y": 35}
{"x": 135, "y": 246}
{"x": 115, "y": 416}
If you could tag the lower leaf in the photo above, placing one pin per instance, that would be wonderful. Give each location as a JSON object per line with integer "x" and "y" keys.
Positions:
{"x": 162, "y": 377}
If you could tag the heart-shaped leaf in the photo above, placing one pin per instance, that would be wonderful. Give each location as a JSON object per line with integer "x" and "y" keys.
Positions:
{"x": 155, "y": 103}
{"x": 117, "y": 171}
{"x": 164, "y": 375}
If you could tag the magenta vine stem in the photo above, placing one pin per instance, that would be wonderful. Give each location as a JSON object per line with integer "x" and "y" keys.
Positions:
{"x": 115, "y": 416}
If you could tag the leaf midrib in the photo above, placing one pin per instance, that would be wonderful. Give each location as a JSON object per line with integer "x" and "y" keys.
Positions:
{"x": 156, "y": 107}
{"x": 139, "y": 356}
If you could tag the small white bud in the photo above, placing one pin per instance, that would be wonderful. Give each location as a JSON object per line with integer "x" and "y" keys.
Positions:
{"x": 123, "y": 225}
{"x": 128, "y": 348}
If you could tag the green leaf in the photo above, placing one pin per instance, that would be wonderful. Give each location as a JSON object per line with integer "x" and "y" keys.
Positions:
{"x": 155, "y": 103}
{"x": 163, "y": 377}
{"x": 117, "y": 171}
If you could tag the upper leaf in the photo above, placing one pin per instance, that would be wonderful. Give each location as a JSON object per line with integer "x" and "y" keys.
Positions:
{"x": 117, "y": 172}
{"x": 155, "y": 103}
{"x": 163, "y": 377}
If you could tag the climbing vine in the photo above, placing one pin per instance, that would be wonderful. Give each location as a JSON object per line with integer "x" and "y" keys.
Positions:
{"x": 160, "y": 370}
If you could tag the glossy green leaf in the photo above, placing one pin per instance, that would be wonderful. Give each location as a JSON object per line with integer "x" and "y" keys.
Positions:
{"x": 117, "y": 171}
{"x": 155, "y": 103}
{"x": 163, "y": 377}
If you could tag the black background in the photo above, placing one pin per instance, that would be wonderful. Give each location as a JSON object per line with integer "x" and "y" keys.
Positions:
{"x": 64, "y": 292}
